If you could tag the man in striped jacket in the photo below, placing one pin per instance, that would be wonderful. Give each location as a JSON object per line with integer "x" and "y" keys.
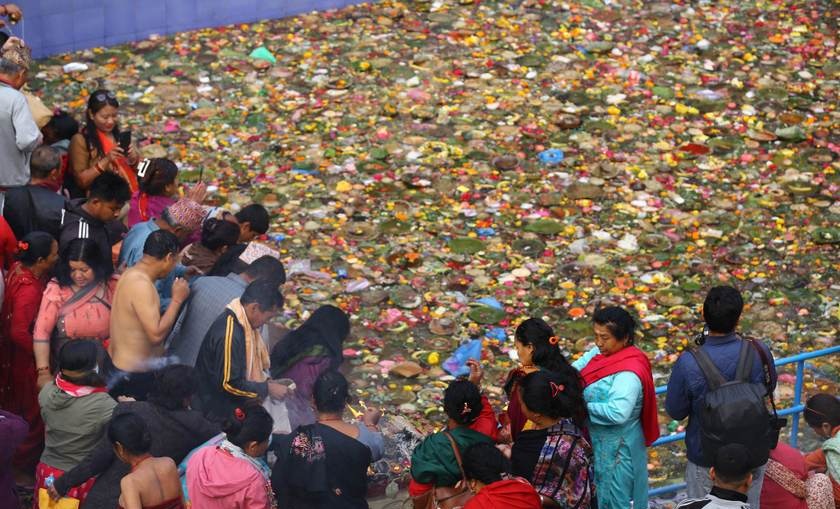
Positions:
{"x": 96, "y": 217}
{"x": 233, "y": 360}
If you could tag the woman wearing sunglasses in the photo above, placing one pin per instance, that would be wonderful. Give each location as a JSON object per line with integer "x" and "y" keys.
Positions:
{"x": 96, "y": 149}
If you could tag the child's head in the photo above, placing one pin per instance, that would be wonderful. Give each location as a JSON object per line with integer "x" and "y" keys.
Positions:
{"x": 553, "y": 395}
{"x": 731, "y": 469}
{"x": 253, "y": 222}
{"x": 250, "y": 428}
{"x": 722, "y": 309}
{"x": 62, "y": 126}
{"x": 484, "y": 464}
{"x": 217, "y": 234}
{"x": 462, "y": 402}
{"x": 822, "y": 413}
{"x": 106, "y": 196}
{"x": 130, "y": 436}
{"x": 158, "y": 177}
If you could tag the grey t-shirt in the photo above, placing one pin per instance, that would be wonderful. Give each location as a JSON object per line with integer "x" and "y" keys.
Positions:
{"x": 19, "y": 135}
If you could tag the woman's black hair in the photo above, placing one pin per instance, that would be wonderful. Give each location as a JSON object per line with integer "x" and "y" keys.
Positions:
{"x": 174, "y": 386}
{"x": 82, "y": 250}
{"x": 328, "y": 326}
{"x": 249, "y": 423}
{"x": 555, "y": 394}
{"x": 81, "y": 356}
{"x": 229, "y": 262}
{"x": 484, "y": 463}
{"x": 218, "y": 233}
{"x": 33, "y": 247}
{"x": 63, "y": 125}
{"x": 537, "y": 333}
{"x": 131, "y": 431}
{"x": 618, "y": 321}
{"x": 331, "y": 392}
{"x": 160, "y": 173}
{"x": 98, "y": 100}
{"x": 462, "y": 402}
{"x": 821, "y": 408}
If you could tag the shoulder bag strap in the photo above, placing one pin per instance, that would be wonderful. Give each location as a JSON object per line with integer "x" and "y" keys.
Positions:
{"x": 457, "y": 455}
{"x": 714, "y": 378}
{"x": 765, "y": 366}
{"x": 745, "y": 357}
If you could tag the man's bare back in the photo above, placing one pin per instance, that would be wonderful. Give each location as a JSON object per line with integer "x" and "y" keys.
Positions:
{"x": 135, "y": 299}
{"x": 153, "y": 482}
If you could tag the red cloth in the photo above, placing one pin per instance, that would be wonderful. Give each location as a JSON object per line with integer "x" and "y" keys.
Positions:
{"x": 43, "y": 471}
{"x": 774, "y": 496}
{"x": 514, "y": 411}
{"x": 18, "y": 387}
{"x": 634, "y": 360}
{"x": 417, "y": 488}
{"x": 509, "y": 494}
{"x": 486, "y": 424}
{"x": 8, "y": 244}
{"x": 123, "y": 168}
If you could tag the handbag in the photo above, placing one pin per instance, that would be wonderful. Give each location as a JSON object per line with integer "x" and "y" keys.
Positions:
{"x": 45, "y": 502}
{"x": 446, "y": 497}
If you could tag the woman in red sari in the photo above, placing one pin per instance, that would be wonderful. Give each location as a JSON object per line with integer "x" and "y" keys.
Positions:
{"x": 25, "y": 283}
{"x": 96, "y": 149}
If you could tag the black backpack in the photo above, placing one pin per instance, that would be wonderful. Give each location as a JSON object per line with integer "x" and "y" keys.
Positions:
{"x": 735, "y": 411}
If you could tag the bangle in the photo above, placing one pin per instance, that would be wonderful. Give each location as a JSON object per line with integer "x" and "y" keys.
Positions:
{"x": 43, "y": 368}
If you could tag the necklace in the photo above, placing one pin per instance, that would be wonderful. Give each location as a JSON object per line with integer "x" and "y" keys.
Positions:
{"x": 134, "y": 467}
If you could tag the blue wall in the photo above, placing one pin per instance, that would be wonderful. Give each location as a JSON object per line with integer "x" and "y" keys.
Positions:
{"x": 58, "y": 26}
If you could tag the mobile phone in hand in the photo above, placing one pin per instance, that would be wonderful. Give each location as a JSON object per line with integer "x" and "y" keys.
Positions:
{"x": 124, "y": 140}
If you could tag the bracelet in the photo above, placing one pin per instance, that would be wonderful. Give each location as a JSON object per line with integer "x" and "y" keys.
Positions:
{"x": 42, "y": 368}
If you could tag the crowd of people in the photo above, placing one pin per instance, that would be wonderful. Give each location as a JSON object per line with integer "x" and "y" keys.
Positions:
{"x": 137, "y": 368}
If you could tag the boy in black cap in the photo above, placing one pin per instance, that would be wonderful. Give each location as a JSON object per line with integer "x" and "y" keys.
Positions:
{"x": 732, "y": 477}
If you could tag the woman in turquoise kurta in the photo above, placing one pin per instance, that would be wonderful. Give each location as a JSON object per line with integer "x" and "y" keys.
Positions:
{"x": 620, "y": 398}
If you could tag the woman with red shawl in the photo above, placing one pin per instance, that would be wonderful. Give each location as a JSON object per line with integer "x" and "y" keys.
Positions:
{"x": 621, "y": 402}
{"x": 25, "y": 283}
{"x": 488, "y": 477}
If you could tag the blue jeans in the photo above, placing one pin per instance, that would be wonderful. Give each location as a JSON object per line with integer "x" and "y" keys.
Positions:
{"x": 699, "y": 484}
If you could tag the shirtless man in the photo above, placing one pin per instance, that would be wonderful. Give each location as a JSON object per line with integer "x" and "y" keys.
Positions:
{"x": 152, "y": 482}
{"x": 137, "y": 328}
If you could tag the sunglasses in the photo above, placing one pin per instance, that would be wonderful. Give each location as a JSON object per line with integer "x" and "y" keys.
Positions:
{"x": 103, "y": 96}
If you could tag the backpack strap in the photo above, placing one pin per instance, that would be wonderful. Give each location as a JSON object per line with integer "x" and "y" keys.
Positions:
{"x": 457, "y": 456}
{"x": 765, "y": 367}
{"x": 714, "y": 378}
{"x": 745, "y": 364}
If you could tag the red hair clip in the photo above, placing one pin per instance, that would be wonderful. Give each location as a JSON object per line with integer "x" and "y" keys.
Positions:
{"x": 553, "y": 340}
{"x": 23, "y": 246}
{"x": 556, "y": 389}
{"x": 239, "y": 414}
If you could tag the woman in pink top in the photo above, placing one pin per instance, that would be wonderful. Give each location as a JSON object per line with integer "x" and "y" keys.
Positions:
{"x": 76, "y": 305}
{"x": 158, "y": 181}
{"x": 232, "y": 475}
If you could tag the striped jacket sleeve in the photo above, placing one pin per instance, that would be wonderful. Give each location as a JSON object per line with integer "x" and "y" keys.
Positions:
{"x": 233, "y": 363}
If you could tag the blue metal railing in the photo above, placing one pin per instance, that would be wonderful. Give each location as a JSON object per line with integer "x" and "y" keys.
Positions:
{"x": 795, "y": 410}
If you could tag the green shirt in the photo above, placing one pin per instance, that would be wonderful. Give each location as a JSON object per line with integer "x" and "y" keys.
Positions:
{"x": 433, "y": 461}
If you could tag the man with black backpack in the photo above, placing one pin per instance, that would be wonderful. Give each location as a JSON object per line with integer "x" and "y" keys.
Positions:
{"x": 724, "y": 386}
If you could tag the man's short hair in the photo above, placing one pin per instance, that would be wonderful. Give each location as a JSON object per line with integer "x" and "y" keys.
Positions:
{"x": 732, "y": 463}
{"x": 109, "y": 187}
{"x": 264, "y": 293}
{"x": 268, "y": 268}
{"x": 160, "y": 243}
{"x": 722, "y": 309}
{"x": 256, "y": 216}
{"x": 44, "y": 160}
